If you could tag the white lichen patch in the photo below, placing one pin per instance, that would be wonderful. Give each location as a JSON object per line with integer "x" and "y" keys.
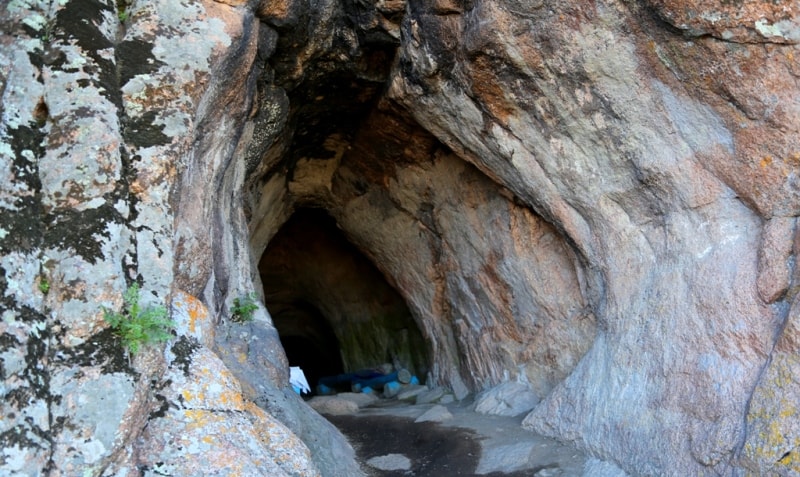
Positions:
{"x": 22, "y": 92}
{"x": 25, "y": 7}
{"x": 95, "y": 404}
{"x": 134, "y": 94}
{"x": 86, "y": 288}
{"x": 82, "y": 161}
{"x": 35, "y": 20}
{"x": 13, "y": 360}
{"x": 175, "y": 123}
{"x": 785, "y": 29}
{"x": 21, "y": 271}
{"x": 154, "y": 227}
{"x": 11, "y": 188}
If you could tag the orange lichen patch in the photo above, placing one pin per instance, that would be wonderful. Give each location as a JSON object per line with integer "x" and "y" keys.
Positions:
{"x": 187, "y": 395}
{"x": 211, "y": 385}
{"x": 766, "y": 161}
{"x": 277, "y": 438}
{"x": 200, "y": 418}
{"x": 231, "y": 399}
{"x": 136, "y": 188}
{"x": 190, "y": 312}
{"x": 196, "y": 311}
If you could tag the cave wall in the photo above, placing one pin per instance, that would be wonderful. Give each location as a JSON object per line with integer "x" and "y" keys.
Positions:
{"x": 310, "y": 268}
{"x": 598, "y": 197}
{"x": 496, "y": 289}
{"x": 670, "y": 190}
{"x": 622, "y": 127}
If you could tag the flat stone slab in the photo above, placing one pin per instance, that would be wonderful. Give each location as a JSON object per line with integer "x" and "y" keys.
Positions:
{"x": 411, "y": 392}
{"x": 430, "y": 396}
{"x": 333, "y": 405}
{"x": 390, "y": 462}
{"x": 507, "y": 458}
{"x": 507, "y": 399}
{"x": 437, "y": 413}
{"x": 360, "y": 399}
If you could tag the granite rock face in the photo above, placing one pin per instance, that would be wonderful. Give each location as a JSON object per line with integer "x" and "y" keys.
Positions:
{"x": 112, "y": 135}
{"x": 665, "y": 177}
{"x": 596, "y": 198}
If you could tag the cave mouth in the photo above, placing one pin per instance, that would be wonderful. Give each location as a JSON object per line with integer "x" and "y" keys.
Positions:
{"x": 334, "y": 311}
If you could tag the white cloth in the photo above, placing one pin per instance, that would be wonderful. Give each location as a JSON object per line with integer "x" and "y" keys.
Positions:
{"x": 298, "y": 380}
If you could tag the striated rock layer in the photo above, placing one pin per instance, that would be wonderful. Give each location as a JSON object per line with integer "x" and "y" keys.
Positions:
{"x": 595, "y": 199}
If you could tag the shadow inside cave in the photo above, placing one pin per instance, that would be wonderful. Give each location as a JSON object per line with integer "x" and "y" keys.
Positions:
{"x": 334, "y": 311}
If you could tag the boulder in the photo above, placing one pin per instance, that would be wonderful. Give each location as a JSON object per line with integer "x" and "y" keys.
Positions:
{"x": 430, "y": 396}
{"x": 507, "y": 399}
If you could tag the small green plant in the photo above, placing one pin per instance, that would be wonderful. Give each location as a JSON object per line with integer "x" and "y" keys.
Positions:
{"x": 46, "y": 34}
{"x": 243, "y": 308}
{"x": 137, "y": 326}
{"x": 44, "y": 285}
{"x": 122, "y": 10}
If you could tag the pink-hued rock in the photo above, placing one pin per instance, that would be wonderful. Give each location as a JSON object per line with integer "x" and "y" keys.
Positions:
{"x": 597, "y": 198}
{"x": 659, "y": 168}
{"x": 206, "y": 427}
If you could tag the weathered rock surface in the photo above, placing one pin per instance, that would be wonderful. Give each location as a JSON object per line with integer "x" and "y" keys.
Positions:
{"x": 602, "y": 468}
{"x": 342, "y": 403}
{"x": 112, "y": 135}
{"x": 598, "y": 198}
{"x": 390, "y": 462}
{"x": 618, "y": 133}
{"x": 411, "y": 392}
{"x": 333, "y": 405}
{"x": 507, "y": 399}
{"x": 437, "y": 413}
{"x": 430, "y": 396}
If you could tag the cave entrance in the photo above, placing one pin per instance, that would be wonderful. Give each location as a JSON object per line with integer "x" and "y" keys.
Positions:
{"x": 334, "y": 311}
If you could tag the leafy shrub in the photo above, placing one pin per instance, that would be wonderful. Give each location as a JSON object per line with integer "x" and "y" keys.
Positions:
{"x": 44, "y": 285}
{"x": 243, "y": 308}
{"x": 136, "y": 326}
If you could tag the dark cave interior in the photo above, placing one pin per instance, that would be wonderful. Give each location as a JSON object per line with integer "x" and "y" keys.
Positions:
{"x": 334, "y": 311}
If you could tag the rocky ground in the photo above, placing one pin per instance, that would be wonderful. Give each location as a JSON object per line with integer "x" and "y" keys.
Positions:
{"x": 389, "y": 443}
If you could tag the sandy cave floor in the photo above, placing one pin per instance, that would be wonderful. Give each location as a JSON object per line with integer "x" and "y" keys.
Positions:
{"x": 468, "y": 444}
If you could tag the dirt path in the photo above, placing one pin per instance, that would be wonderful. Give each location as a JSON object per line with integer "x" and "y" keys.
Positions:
{"x": 468, "y": 444}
